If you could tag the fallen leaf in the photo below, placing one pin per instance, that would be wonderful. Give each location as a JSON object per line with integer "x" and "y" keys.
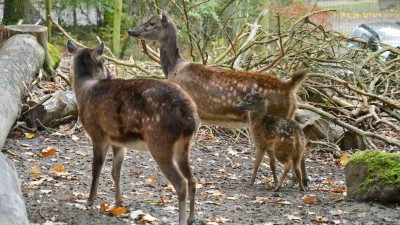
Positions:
{"x": 75, "y": 138}
{"x": 104, "y": 207}
{"x": 34, "y": 170}
{"x": 152, "y": 178}
{"x": 46, "y": 191}
{"x": 344, "y": 159}
{"x": 48, "y": 152}
{"x": 312, "y": 199}
{"x": 18, "y": 133}
{"x": 29, "y": 135}
{"x": 339, "y": 190}
{"x": 293, "y": 217}
{"x": 59, "y": 168}
{"x": 118, "y": 211}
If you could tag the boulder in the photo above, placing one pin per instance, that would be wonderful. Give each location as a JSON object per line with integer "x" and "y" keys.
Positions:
{"x": 373, "y": 176}
{"x": 316, "y": 128}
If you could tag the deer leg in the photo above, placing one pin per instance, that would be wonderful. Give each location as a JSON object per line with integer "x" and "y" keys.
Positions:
{"x": 183, "y": 162}
{"x": 298, "y": 173}
{"x": 285, "y": 172}
{"x": 118, "y": 159}
{"x": 163, "y": 157}
{"x": 272, "y": 165}
{"x": 259, "y": 157}
{"x": 99, "y": 155}
{"x": 304, "y": 172}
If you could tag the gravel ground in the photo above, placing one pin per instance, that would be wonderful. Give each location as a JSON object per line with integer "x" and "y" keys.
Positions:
{"x": 223, "y": 165}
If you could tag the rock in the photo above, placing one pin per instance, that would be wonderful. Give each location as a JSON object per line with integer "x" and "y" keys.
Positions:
{"x": 352, "y": 141}
{"x": 12, "y": 206}
{"x": 317, "y": 128}
{"x": 373, "y": 176}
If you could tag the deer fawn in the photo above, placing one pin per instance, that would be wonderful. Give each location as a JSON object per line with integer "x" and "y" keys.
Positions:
{"x": 142, "y": 114}
{"x": 281, "y": 138}
{"x": 216, "y": 91}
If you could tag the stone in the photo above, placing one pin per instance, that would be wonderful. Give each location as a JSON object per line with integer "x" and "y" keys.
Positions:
{"x": 373, "y": 176}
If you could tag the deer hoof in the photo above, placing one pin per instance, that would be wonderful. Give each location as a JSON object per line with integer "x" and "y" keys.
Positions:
{"x": 89, "y": 203}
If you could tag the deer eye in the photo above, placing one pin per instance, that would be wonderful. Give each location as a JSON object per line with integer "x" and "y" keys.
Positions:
{"x": 152, "y": 23}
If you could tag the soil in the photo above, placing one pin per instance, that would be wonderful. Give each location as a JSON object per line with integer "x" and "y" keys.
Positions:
{"x": 222, "y": 163}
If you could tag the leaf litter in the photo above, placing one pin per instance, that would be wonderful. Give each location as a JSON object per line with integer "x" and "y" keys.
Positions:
{"x": 224, "y": 195}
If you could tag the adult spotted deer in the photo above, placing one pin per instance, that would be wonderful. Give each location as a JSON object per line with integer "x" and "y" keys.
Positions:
{"x": 217, "y": 91}
{"x": 141, "y": 114}
{"x": 281, "y": 138}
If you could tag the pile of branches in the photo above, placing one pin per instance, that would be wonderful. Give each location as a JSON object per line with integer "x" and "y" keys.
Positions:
{"x": 354, "y": 88}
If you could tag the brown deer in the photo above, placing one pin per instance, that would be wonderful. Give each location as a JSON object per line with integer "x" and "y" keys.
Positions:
{"x": 217, "y": 91}
{"x": 281, "y": 138}
{"x": 141, "y": 114}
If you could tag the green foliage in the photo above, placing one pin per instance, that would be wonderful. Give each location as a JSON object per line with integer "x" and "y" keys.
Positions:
{"x": 382, "y": 166}
{"x": 55, "y": 55}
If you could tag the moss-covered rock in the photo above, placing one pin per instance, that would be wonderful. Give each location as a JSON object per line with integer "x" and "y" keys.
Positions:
{"x": 373, "y": 176}
{"x": 55, "y": 55}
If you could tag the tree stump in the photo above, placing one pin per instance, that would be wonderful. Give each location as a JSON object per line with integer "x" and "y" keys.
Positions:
{"x": 21, "y": 57}
{"x": 39, "y": 32}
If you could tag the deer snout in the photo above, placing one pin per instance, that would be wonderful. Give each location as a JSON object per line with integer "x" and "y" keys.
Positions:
{"x": 242, "y": 106}
{"x": 133, "y": 33}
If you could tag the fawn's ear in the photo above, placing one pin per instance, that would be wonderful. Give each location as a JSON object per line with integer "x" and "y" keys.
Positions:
{"x": 97, "y": 52}
{"x": 71, "y": 46}
{"x": 164, "y": 18}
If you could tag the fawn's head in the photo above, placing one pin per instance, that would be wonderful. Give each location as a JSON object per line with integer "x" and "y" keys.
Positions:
{"x": 88, "y": 63}
{"x": 157, "y": 28}
{"x": 253, "y": 101}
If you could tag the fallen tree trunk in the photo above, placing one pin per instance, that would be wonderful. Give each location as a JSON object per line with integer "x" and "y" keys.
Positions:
{"x": 12, "y": 206}
{"x": 21, "y": 57}
{"x": 52, "y": 110}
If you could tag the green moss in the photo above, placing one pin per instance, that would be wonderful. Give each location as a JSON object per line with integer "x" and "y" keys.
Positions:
{"x": 382, "y": 167}
{"x": 55, "y": 55}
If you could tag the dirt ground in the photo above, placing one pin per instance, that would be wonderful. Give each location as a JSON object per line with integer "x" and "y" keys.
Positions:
{"x": 223, "y": 165}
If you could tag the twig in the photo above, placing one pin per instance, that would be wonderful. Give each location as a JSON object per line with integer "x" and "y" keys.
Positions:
{"x": 116, "y": 61}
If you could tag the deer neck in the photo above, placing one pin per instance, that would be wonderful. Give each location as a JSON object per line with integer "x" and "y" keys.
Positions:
{"x": 169, "y": 53}
{"x": 256, "y": 116}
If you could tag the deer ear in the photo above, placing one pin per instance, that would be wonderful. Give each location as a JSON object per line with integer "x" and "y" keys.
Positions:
{"x": 164, "y": 18}
{"x": 71, "y": 46}
{"x": 97, "y": 52}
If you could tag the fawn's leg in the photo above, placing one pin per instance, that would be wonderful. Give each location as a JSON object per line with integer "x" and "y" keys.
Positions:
{"x": 304, "y": 172}
{"x": 259, "y": 157}
{"x": 183, "y": 161}
{"x": 118, "y": 159}
{"x": 272, "y": 164}
{"x": 285, "y": 172}
{"x": 163, "y": 155}
{"x": 99, "y": 154}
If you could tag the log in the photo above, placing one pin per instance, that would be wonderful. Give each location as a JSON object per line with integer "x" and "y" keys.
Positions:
{"x": 39, "y": 32}
{"x": 12, "y": 206}
{"x": 58, "y": 107}
{"x": 21, "y": 57}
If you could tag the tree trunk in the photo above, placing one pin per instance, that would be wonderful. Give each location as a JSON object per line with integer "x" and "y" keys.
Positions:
{"x": 21, "y": 57}
{"x": 48, "y": 22}
{"x": 116, "y": 47}
{"x": 15, "y": 10}
{"x": 12, "y": 209}
{"x": 40, "y": 33}
{"x": 58, "y": 108}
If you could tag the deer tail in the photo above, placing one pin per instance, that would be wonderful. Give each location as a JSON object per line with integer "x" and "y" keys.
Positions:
{"x": 298, "y": 78}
